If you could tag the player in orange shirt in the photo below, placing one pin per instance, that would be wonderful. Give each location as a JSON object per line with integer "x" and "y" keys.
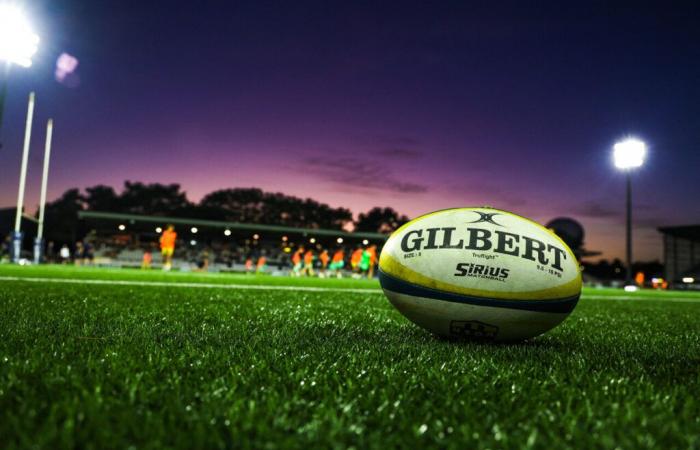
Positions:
{"x": 296, "y": 261}
{"x": 260, "y": 266}
{"x": 167, "y": 246}
{"x": 337, "y": 263}
{"x": 309, "y": 263}
{"x": 372, "y": 260}
{"x": 355, "y": 258}
{"x": 324, "y": 258}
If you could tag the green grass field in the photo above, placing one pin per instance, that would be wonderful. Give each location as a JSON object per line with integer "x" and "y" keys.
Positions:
{"x": 127, "y": 359}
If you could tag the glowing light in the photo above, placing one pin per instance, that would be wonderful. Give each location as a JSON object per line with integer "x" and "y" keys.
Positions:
{"x": 629, "y": 154}
{"x": 688, "y": 280}
{"x": 65, "y": 65}
{"x": 631, "y": 288}
{"x": 193, "y": 242}
{"x": 365, "y": 242}
{"x": 284, "y": 238}
{"x": 312, "y": 240}
{"x": 194, "y": 230}
{"x": 256, "y": 236}
{"x": 18, "y": 42}
{"x": 159, "y": 230}
{"x": 339, "y": 240}
{"x": 227, "y": 232}
{"x": 122, "y": 227}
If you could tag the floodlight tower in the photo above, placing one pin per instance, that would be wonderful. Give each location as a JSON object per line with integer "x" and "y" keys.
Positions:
{"x": 629, "y": 154}
{"x": 18, "y": 43}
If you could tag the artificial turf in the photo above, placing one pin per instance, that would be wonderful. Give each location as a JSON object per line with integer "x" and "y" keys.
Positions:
{"x": 153, "y": 366}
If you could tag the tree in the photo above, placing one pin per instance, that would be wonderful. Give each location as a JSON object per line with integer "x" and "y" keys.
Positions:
{"x": 153, "y": 199}
{"x": 61, "y": 216}
{"x": 102, "y": 198}
{"x": 252, "y": 205}
{"x": 380, "y": 220}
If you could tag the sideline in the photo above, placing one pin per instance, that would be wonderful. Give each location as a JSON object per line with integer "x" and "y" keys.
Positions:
{"x": 273, "y": 287}
{"x": 262, "y": 287}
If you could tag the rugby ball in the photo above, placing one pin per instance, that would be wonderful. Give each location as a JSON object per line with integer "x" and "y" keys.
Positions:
{"x": 480, "y": 273}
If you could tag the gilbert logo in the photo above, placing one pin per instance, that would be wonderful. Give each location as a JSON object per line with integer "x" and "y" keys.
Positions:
{"x": 486, "y": 217}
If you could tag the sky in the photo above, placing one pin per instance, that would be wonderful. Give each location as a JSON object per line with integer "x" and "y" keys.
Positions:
{"x": 414, "y": 105}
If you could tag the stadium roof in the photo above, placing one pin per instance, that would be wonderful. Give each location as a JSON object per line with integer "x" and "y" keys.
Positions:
{"x": 133, "y": 218}
{"x": 691, "y": 232}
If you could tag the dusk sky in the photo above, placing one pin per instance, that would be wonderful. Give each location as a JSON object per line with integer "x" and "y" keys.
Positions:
{"x": 418, "y": 106}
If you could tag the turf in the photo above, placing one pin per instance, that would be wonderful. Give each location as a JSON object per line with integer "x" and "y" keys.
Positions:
{"x": 152, "y": 366}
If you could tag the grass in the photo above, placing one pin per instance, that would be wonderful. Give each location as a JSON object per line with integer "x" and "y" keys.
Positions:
{"x": 129, "y": 366}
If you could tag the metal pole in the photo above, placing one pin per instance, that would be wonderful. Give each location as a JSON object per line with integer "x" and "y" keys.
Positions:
{"x": 628, "y": 279}
{"x": 17, "y": 236}
{"x": 44, "y": 178}
{"x": 39, "y": 241}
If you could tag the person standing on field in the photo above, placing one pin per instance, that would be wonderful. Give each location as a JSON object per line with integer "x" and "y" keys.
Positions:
{"x": 309, "y": 263}
{"x": 337, "y": 263}
{"x": 296, "y": 261}
{"x": 167, "y": 246}
{"x": 324, "y": 258}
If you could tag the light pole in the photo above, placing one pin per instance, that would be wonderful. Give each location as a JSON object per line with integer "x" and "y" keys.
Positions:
{"x": 629, "y": 154}
{"x": 18, "y": 43}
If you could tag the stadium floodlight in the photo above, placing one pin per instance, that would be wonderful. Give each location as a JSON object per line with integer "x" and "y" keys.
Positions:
{"x": 194, "y": 230}
{"x": 312, "y": 240}
{"x": 339, "y": 240}
{"x": 18, "y": 42}
{"x": 227, "y": 232}
{"x": 159, "y": 230}
{"x": 629, "y": 154}
{"x": 688, "y": 280}
{"x": 365, "y": 242}
{"x": 122, "y": 227}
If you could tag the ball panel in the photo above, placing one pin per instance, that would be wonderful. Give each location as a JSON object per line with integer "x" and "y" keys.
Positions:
{"x": 396, "y": 285}
{"x": 390, "y": 266}
{"x": 461, "y": 320}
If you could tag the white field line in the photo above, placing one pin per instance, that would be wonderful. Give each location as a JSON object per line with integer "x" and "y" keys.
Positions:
{"x": 262, "y": 287}
{"x": 645, "y": 299}
{"x": 266, "y": 287}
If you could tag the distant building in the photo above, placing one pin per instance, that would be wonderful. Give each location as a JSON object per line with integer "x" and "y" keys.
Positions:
{"x": 682, "y": 255}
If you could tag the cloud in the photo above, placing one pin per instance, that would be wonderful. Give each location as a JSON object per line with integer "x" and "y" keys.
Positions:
{"x": 399, "y": 152}
{"x": 354, "y": 172}
{"x": 596, "y": 209}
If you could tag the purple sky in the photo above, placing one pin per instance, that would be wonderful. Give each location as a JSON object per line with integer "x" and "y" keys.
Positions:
{"x": 419, "y": 106}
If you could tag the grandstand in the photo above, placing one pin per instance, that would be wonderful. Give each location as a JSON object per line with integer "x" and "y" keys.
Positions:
{"x": 682, "y": 256}
{"x": 120, "y": 240}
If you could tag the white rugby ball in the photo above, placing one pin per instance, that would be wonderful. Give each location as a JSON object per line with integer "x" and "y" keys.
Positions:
{"x": 480, "y": 273}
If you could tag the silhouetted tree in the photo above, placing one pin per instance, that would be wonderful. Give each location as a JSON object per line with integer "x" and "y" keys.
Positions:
{"x": 61, "y": 216}
{"x": 102, "y": 198}
{"x": 380, "y": 220}
{"x": 252, "y": 205}
{"x": 153, "y": 199}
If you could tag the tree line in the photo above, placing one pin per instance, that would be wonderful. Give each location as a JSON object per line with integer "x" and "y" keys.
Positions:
{"x": 245, "y": 205}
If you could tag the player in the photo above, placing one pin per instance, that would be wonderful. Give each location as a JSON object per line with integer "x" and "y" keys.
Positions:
{"x": 324, "y": 258}
{"x": 337, "y": 263}
{"x": 355, "y": 258}
{"x": 167, "y": 246}
{"x": 261, "y": 265}
{"x": 147, "y": 259}
{"x": 365, "y": 260}
{"x": 372, "y": 260}
{"x": 296, "y": 261}
{"x": 309, "y": 263}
